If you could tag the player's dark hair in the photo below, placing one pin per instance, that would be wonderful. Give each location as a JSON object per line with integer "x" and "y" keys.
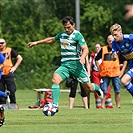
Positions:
{"x": 68, "y": 19}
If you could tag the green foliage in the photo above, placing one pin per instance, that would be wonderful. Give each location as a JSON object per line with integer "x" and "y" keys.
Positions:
{"x": 22, "y": 21}
{"x": 38, "y": 62}
{"x": 96, "y": 19}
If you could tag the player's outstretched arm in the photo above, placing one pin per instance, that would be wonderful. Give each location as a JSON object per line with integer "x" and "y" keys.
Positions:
{"x": 45, "y": 41}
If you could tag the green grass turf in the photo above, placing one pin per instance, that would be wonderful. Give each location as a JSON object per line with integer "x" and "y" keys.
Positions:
{"x": 77, "y": 120}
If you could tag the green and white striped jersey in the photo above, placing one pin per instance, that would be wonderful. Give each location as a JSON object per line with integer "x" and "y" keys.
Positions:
{"x": 70, "y": 45}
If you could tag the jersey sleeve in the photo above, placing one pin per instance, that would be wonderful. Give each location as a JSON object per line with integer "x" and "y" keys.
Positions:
{"x": 58, "y": 36}
{"x": 131, "y": 37}
{"x": 113, "y": 47}
{"x": 14, "y": 54}
{"x": 2, "y": 59}
{"x": 80, "y": 39}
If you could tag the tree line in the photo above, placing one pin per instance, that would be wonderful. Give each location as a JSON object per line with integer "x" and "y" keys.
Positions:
{"x": 30, "y": 20}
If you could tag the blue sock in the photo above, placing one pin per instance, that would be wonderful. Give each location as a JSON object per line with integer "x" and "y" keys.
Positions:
{"x": 55, "y": 93}
{"x": 129, "y": 87}
{"x": 2, "y": 94}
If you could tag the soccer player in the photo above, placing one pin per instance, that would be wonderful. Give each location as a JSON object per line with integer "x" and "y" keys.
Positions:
{"x": 124, "y": 44}
{"x": 2, "y": 94}
{"x": 73, "y": 52}
{"x": 2, "y": 117}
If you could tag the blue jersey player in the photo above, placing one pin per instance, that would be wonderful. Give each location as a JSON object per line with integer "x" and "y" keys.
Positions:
{"x": 2, "y": 94}
{"x": 124, "y": 44}
{"x": 2, "y": 59}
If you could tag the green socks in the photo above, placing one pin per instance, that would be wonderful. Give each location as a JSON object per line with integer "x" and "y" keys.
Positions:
{"x": 98, "y": 90}
{"x": 55, "y": 93}
{"x": 95, "y": 87}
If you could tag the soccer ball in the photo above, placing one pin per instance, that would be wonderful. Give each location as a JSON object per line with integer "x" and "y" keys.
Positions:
{"x": 49, "y": 109}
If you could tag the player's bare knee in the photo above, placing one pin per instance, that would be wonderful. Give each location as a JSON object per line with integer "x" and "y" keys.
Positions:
{"x": 123, "y": 82}
{"x": 54, "y": 81}
{"x": 88, "y": 87}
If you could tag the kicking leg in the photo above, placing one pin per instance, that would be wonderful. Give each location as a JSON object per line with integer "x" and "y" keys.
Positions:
{"x": 126, "y": 81}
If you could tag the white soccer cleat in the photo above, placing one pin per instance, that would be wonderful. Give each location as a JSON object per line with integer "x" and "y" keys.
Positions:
{"x": 56, "y": 107}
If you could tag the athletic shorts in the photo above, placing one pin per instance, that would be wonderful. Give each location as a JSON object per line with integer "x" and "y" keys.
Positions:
{"x": 73, "y": 68}
{"x": 105, "y": 81}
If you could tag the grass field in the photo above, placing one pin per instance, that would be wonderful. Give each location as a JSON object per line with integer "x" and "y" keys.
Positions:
{"x": 77, "y": 120}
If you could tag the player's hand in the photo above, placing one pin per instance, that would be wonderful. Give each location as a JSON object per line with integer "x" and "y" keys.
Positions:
{"x": 82, "y": 60}
{"x": 13, "y": 69}
{"x": 114, "y": 56}
{"x": 31, "y": 44}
